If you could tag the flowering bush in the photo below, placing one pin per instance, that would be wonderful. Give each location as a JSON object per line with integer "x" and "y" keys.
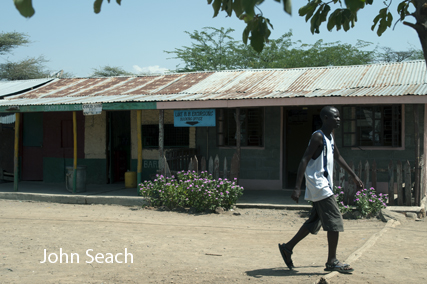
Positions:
{"x": 339, "y": 196}
{"x": 368, "y": 203}
{"x": 189, "y": 189}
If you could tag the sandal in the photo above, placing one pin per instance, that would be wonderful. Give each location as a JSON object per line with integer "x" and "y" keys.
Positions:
{"x": 284, "y": 251}
{"x": 341, "y": 268}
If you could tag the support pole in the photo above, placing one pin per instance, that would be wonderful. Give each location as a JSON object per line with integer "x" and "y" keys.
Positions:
{"x": 417, "y": 192}
{"x": 238, "y": 131}
{"x": 161, "y": 142}
{"x": 75, "y": 152}
{"x": 139, "y": 132}
{"x": 16, "y": 155}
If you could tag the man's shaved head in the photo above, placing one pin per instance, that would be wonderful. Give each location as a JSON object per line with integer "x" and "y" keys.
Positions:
{"x": 327, "y": 111}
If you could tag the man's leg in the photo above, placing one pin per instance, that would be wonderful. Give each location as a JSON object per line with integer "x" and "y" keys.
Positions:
{"x": 332, "y": 246}
{"x": 299, "y": 236}
{"x": 333, "y": 264}
{"x": 286, "y": 248}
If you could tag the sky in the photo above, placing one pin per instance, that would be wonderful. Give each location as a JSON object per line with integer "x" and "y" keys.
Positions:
{"x": 135, "y": 34}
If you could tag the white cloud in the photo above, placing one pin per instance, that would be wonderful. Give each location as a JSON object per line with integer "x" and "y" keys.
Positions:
{"x": 156, "y": 69}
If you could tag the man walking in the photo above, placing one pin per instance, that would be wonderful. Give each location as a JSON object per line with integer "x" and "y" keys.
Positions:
{"x": 317, "y": 165}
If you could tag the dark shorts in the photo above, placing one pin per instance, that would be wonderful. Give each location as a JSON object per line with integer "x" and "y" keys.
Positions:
{"x": 325, "y": 213}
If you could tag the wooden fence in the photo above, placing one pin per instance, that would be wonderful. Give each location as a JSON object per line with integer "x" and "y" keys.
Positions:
{"x": 179, "y": 159}
{"x": 401, "y": 187}
{"x": 186, "y": 162}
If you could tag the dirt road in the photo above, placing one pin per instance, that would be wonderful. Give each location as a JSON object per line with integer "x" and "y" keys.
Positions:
{"x": 173, "y": 247}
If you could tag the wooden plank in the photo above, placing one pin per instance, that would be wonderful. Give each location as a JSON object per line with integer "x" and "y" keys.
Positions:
{"x": 203, "y": 164}
{"x": 161, "y": 141}
{"x": 359, "y": 170}
{"x": 417, "y": 194}
{"x": 374, "y": 174}
{"x": 75, "y": 152}
{"x": 211, "y": 167}
{"x": 422, "y": 178}
{"x": 342, "y": 178}
{"x": 408, "y": 184}
{"x": 351, "y": 191}
{"x": 366, "y": 180}
{"x": 390, "y": 184}
{"x": 139, "y": 137}
{"x": 190, "y": 165}
{"x": 234, "y": 167}
{"x": 216, "y": 167}
{"x": 195, "y": 164}
{"x": 167, "y": 169}
{"x": 238, "y": 134}
{"x": 225, "y": 168}
{"x": 336, "y": 180}
{"x": 399, "y": 181}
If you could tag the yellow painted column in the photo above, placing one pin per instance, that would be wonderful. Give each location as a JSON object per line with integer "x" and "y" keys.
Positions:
{"x": 75, "y": 152}
{"x": 139, "y": 131}
{"x": 16, "y": 155}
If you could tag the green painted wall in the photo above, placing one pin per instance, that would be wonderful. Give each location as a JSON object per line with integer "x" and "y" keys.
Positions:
{"x": 54, "y": 169}
{"x": 149, "y": 168}
{"x": 262, "y": 163}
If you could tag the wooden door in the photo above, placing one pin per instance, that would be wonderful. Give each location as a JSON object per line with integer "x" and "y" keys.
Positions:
{"x": 32, "y": 142}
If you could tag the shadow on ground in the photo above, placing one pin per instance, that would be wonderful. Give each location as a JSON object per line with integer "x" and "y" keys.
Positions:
{"x": 280, "y": 272}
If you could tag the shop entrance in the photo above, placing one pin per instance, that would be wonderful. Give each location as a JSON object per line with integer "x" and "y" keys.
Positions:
{"x": 118, "y": 145}
{"x": 300, "y": 123}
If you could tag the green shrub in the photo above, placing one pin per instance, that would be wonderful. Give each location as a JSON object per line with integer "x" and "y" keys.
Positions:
{"x": 189, "y": 189}
{"x": 339, "y": 196}
{"x": 368, "y": 203}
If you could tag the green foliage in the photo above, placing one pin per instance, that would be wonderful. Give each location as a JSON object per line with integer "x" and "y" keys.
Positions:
{"x": 12, "y": 40}
{"x": 30, "y": 68}
{"x": 98, "y": 3}
{"x": 368, "y": 203}
{"x": 109, "y": 71}
{"x": 25, "y": 7}
{"x": 214, "y": 49}
{"x": 339, "y": 196}
{"x": 390, "y": 55}
{"x": 190, "y": 189}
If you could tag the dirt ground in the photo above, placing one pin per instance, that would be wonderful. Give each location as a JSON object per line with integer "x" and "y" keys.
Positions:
{"x": 174, "y": 247}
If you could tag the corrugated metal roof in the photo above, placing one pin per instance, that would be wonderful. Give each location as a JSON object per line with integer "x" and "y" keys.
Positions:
{"x": 12, "y": 87}
{"x": 395, "y": 79}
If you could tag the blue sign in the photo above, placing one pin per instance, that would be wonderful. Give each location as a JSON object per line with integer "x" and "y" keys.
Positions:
{"x": 194, "y": 117}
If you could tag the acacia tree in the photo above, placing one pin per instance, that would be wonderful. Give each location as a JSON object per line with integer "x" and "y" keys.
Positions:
{"x": 215, "y": 49}
{"x": 109, "y": 71}
{"x": 29, "y": 68}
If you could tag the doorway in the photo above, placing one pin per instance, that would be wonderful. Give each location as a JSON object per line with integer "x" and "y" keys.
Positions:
{"x": 300, "y": 123}
{"x": 32, "y": 146}
{"x": 118, "y": 145}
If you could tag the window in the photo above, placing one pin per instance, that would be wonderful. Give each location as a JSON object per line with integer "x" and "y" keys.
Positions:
{"x": 372, "y": 126}
{"x": 174, "y": 136}
{"x": 251, "y": 131}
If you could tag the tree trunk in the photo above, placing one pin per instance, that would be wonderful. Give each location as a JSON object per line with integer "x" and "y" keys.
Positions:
{"x": 420, "y": 26}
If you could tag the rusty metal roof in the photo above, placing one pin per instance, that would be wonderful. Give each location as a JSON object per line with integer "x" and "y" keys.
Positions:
{"x": 393, "y": 79}
{"x": 12, "y": 87}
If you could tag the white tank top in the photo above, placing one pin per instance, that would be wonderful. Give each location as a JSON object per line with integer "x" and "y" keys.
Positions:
{"x": 318, "y": 186}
